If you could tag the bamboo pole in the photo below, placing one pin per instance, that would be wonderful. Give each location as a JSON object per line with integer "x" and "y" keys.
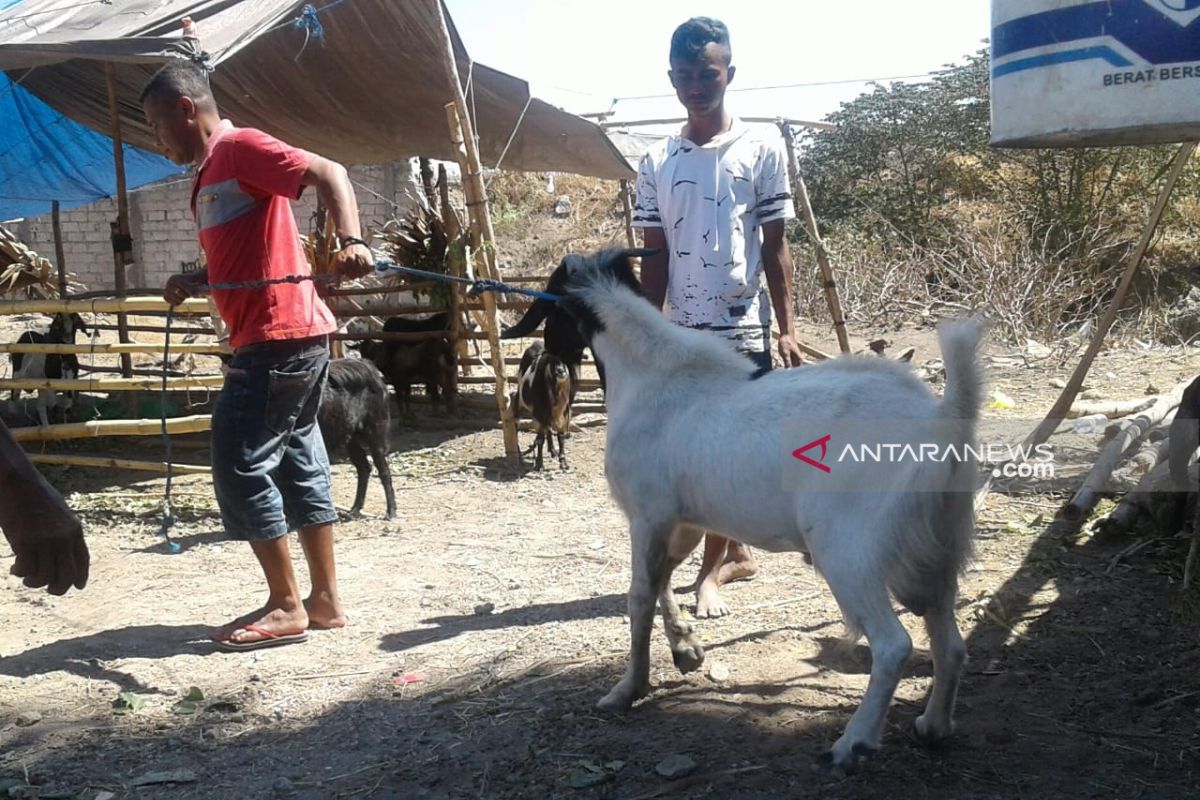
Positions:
{"x": 110, "y": 305}
{"x": 59, "y": 254}
{"x": 800, "y": 191}
{"x": 1063, "y": 404}
{"x": 799, "y": 123}
{"x": 176, "y": 330}
{"x": 147, "y": 384}
{"x": 105, "y": 348}
{"x": 482, "y": 244}
{"x": 116, "y": 463}
{"x": 386, "y": 288}
{"x": 121, "y": 230}
{"x": 113, "y": 427}
{"x": 394, "y": 336}
{"x": 483, "y": 237}
{"x": 627, "y": 212}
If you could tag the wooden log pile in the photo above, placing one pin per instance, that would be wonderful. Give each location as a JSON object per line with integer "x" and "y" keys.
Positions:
{"x": 1135, "y": 451}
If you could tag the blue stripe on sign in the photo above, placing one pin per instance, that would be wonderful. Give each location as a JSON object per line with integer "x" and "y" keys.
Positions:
{"x": 1064, "y": 57}
{"x": 1151, "y": 34}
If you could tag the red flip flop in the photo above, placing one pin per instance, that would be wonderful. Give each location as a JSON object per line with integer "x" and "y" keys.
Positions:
{"x": 269, "y": 639}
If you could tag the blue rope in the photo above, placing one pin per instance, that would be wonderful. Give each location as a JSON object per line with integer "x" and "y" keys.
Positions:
{"x": 308, "y": 22}
{"x": 168, "y": 520}
{"x": 474, "y": 287}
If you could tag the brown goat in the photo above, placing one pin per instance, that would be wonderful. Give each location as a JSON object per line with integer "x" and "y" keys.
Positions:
{"x": 544, "y": 389}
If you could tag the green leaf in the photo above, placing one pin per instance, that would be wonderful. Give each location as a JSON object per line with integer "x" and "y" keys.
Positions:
{"x": 194, "y": 694}
{"x": 129, "y": 701}
{"x": 185, "y": 707}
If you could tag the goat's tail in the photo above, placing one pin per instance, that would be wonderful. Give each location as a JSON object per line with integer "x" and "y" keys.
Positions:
{"x": 964, "y": 381}
{"x": 935, "y": 529}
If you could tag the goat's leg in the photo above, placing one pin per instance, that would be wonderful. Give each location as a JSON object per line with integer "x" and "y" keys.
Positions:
{"x": 866, "y": 606}
{"x": 649, "y": 573}
{"x": 45, "y": 397}
{"x": 358, "y": 457}
{"x": 539, "y": 442}
{"x": 686, "y": 651}
{"x": 949, "y": 655}
{"x": 562, "y": 453}
{"x": 379, "y": 456}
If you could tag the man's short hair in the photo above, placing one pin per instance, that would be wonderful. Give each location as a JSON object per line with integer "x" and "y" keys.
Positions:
{"x": 180, "y": 79}
{"x": 690, "y": 38}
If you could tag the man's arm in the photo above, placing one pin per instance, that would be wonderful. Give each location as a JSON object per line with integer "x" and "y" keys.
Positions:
{"x": 333, "y": 186}
{"x": 655, "y": 272}
{"x": 777, "y": 263}
{"x": 43, "y": 533}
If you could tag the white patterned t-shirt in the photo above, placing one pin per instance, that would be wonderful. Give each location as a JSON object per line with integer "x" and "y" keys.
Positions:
{"x": 711, "y": 201}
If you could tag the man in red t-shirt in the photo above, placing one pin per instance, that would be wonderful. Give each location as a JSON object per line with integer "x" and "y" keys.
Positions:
{"x": 270, "y": 468}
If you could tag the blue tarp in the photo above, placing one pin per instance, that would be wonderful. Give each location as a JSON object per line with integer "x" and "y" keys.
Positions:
{"x": 45, "y": 156}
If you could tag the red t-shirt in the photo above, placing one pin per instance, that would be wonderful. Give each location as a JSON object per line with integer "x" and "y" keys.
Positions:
{"x": 240, "y": 202}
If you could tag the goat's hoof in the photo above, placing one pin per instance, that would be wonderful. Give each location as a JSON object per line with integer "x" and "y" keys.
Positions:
{"x": 620, "y": 699}
{"x": 932, "y": 735}
{"x": 840, "y": 764}
{"x": 390, "y": 515}
{"x": 688, "y": 658}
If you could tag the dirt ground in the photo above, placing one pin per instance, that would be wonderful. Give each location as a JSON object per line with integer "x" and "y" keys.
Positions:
{"x": 488, "y": 620}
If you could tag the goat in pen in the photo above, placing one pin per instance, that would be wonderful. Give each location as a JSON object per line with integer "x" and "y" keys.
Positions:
{"x": 694, "y": 442}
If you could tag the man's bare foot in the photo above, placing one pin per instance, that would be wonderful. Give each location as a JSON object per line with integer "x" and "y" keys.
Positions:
{"x": 735, "y": 569}
{"x": 708, "y": 599}
{"x": 279, "y": 621}
{"x": 324, "y": 611}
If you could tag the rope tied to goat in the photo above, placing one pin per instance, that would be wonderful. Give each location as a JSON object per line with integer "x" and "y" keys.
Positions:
{"x": 474, "y": 287}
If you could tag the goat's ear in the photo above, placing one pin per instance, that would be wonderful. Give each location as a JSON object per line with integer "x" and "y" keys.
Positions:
{"x": 572, "y": 264}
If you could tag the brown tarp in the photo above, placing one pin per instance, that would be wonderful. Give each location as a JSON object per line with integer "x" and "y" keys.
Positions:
{"x": 371, "y": 89}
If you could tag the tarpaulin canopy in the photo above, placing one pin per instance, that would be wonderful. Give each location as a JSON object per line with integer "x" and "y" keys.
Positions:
{"x": 45, "y": 156}
{"x": 359, "y": 81}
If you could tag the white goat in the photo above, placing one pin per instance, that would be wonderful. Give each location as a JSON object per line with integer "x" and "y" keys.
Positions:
{"x": 694, "y": 443}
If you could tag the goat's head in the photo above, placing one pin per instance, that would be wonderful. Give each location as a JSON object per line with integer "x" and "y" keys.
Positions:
{"x": 576, "y": 273}
{"x": 63, "y": 327}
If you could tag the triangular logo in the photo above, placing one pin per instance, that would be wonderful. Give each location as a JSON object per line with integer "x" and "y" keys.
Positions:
{"x": 822, "y": 443}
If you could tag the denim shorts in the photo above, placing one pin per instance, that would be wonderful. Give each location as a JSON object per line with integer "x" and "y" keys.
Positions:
{"x": 270, "y": 468}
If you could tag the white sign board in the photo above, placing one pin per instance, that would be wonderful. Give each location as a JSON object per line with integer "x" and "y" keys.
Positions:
{"x": 1095, "y": 72}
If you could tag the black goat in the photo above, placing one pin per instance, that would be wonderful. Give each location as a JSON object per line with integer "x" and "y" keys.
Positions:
{"x": 354, "y": 416}
{"x": 429, "y": 361}
{"x": 545, "y": 388}
{"x": 52, "y": 366}
{"x": 1183, "y": 437}
{"x": 561, "y": 334}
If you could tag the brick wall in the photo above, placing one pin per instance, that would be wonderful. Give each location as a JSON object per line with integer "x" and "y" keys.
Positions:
{"x": 164, "y": 236}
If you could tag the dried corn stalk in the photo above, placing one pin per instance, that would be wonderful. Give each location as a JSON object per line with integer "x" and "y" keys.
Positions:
{"x": 24, "y": 273}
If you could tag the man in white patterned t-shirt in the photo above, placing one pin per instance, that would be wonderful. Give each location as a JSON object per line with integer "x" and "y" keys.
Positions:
{"x": 712, "y": 201}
